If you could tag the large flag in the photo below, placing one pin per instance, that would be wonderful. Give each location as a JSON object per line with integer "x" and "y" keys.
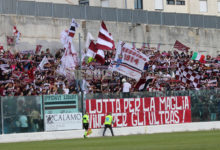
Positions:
{"x": 69, "y": 60}
{"x": 43, "y": 62}
{"x": 188, "y": 76}
{"x": 181, "y": 47}
{"x": 128, "y": 61}
{"x": 199, "y": 57}
{"x": 105, "y": 40}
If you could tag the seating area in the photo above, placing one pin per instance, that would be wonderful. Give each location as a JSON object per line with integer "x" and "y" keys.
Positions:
{"x": 21, "y": 76}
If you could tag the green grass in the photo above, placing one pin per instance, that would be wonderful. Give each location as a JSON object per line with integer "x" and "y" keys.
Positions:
{"x": 204, "y": 140}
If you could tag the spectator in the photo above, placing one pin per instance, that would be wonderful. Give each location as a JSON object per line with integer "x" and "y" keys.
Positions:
{"x": 126, "y": 88}
{"x": 23, "y": 121}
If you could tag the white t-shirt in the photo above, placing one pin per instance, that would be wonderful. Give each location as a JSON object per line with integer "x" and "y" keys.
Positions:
{"x": 126, "y": 87}
{"x": 66, "y": 90}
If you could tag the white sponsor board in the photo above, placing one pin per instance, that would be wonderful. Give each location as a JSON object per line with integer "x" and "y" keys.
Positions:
{"x": 65, "y": 121}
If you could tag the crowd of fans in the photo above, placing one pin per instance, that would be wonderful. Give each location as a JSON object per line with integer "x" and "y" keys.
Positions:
{"x": 21, "y": 76}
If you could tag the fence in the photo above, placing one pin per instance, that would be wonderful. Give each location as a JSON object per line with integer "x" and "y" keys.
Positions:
{"x": 107, "y": 14}
{"x": 205, "y": 106}
{"x": 16, "y": 110}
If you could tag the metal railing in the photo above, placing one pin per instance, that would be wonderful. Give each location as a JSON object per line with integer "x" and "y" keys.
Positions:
{"x": 32, "y": 8}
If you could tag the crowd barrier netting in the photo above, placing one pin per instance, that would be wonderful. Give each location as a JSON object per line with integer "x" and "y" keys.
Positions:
{"x": 15, "y": 111}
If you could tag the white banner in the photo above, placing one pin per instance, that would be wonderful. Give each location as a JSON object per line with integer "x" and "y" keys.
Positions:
{"x": 65, "y": 121}
{"x": 128, "y": 61}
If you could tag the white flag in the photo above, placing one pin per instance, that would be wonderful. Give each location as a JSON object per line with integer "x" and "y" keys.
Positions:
{"x": 43, "y": 62}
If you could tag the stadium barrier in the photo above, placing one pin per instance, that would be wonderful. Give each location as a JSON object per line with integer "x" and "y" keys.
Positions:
{"x": 72, "y": 134}
{"x": 205, "y": 106}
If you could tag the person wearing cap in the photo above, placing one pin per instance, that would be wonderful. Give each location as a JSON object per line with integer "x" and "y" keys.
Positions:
{"x": 126, "y": 88}
{"x": 108, "y": 123}
{"x": 86, "y": 123}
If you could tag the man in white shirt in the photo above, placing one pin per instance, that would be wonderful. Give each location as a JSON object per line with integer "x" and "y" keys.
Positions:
{"x": 126, "y": 88}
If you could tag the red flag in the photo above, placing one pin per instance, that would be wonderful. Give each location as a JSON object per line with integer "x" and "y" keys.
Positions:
{"x": 105, "y": 40}
{"x": 181, "y": 47}
{"x": 15, "y": 31}
{"x": 38, "y": 48}
{"x": 10, "y": 40}
{"x": 92, "y": 49}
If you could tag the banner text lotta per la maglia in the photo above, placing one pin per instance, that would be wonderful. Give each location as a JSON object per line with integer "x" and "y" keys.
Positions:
{"x": 130, "y": 112}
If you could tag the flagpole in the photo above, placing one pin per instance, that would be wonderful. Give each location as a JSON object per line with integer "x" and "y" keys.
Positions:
{"x": 79, "y": 78}
{"x": 80, "y": 54}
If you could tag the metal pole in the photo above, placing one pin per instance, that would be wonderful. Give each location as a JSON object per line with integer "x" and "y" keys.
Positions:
{"x": 2, "y": 120}
{"x": 80, "y": 55}
{"x": 80, "y": 67}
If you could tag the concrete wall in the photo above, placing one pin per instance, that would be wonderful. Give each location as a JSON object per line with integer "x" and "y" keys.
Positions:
{"x": 46, "y": 31}
{"x": 25, "y": 137}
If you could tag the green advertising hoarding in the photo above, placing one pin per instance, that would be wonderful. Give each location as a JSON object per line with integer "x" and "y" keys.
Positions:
{"x": 54, "y": 104}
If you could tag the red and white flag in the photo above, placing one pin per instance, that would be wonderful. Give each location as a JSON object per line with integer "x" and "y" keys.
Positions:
{"x": 70, "y": 59}
{"x": 73, "y": 27}
{"x": 100, "y": 56}
{"x": 38, "y": 48}
{"x": 92, "y": 49}
{"x": 105, "y": 40}
{"x": 181, "y": 47}
{"x": 16, "y": 33}
{"x": 95, "y": 53}
{"x": 188, "y": 76}
{"x": 128, "y": 61}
